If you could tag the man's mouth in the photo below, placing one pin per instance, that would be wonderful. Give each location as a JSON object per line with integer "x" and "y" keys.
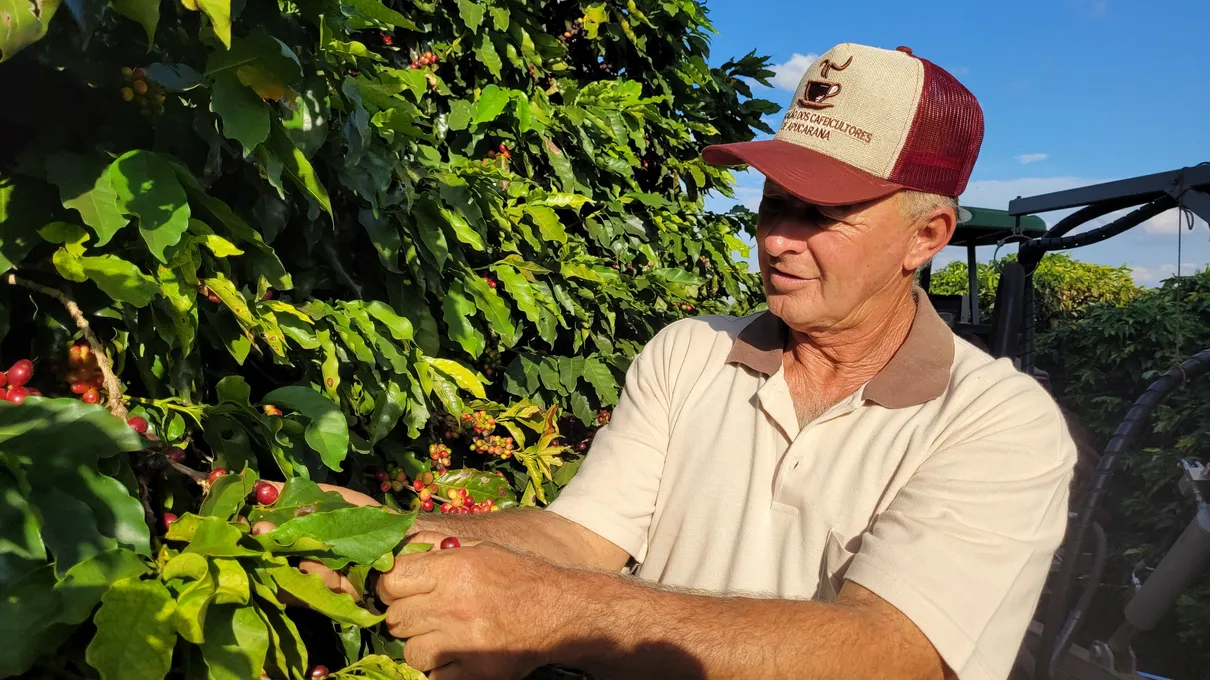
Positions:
{"x": 783, "y": 278}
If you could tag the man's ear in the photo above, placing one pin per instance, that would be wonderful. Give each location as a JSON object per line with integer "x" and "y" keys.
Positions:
{"x": 933, "y": 233}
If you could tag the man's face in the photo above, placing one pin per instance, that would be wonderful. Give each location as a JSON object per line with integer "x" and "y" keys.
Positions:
{"x": 827, "y": 268}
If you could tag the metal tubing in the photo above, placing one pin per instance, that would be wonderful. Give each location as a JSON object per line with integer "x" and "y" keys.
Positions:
{"x": 1184, "y": 562}
{"x": 1123, "y": 441}
{"x": 972, "y": 277}
{"x": 1087, "y": 214}
{"x": 1145, "y": 188}
{"x": 1075, "y": 619}
{"x": 1031, "y": 252}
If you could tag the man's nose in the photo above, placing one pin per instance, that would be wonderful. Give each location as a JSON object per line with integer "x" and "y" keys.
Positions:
{"x": 783, "y": 237}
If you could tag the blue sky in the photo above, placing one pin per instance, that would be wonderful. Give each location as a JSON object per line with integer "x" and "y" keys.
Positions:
{"x": 1074, "y": 92}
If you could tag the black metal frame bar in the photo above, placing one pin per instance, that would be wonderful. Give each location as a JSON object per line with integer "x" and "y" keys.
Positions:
{"x": 1149, "y": 196}
{"x": 1136, "y": 190}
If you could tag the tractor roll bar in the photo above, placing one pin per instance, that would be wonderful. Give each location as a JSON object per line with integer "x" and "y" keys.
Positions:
{"x": 1031, "y": 252}
{"x": 1123, "y": 441}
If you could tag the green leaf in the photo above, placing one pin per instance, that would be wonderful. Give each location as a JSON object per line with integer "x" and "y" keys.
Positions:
{"x": 594, "y": 16}
{"x": 379, "y": 667}
{"x": 185, "y": 566}
{"x": 389, "y": 407}
{"x": 245, "y": 116}
{"x": 25, "y": 23}
{"x": 561, "y": 164}
{"x": 259, "y": 51}
{"x": 361, "y": 534}
{"x": 147, "y": 187}
{"x": 19, "y": 525}
{"x": 456, "y": 310}
{"x": 21, "y": 214}
{"x": 26, "y": 606}
{"x": 297, "y": 493}
{"x": 471, "y": 13}
{"x": 83, "y": 585}
{"x": 237, "y": 641}
{"x": 570, "y": 369}
{"x": 145, "y": 12}
{"x": 384, "y": 234}
{"x": 173, "y": 77}
{"x": 135, "y": 633}
{"x": 460, "y": 375}
{"x": 460, "y": 115}
{"x": 214, "y": 537}
{"x": 491, "y": 104}
{"x": 85, "y": 187}
{"x": 480, "y": 485}
{"x": 327, "y": 432}
{"x": 601, "y": 378}
{"x": 227, "y": 495}
{"x": 310, "y": 589}
{"x": 548, "y": 223}
{"x": 447, "y": 392}
{"x": 234, "y": 389}
{"x": 399, "y": 327}
{"x": 191, "y": 607}
{"x": 492, "y": 305}
{"x": 297, "y": 166}
{"x": 676, "y": 276}
{"x": 119, "y": 279}
{"x": 463, "y": 230}
{"x": 376, "y": 11}
{"x": 231, "y": 581}
{"x": 487, "y": 55}
{"x": 581, "y": 409}
{"x": 219, "y": 12}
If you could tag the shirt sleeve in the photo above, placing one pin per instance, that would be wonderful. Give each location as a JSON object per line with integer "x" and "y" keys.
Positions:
{"x": 965, "y": 547}
{"x": 613, "y": 494}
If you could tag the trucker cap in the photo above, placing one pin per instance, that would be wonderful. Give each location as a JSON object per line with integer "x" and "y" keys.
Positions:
{"x": 866, "y": 122}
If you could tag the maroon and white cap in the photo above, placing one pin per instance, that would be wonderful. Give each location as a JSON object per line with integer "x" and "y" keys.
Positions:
{"x": 866, "y": 122}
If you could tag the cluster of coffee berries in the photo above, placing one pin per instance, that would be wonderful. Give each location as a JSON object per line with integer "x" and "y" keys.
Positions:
{"x": 603, "y": 417}
{"x": 271, "y": 410}
{"x": 573, "y": 30}
{"x": 391, "y": 479}
{"x": 85, "y": 374}
{"x": 13, "y": 381}
{"x": 504, "y": 152}
{"x": 461, "y": 503}
{"x": 490, "y": 282}
{"x": 387, "y": 39}
{"x": 494, "y": 446}
{"x": 628, "y": 267}
{"x": 426, "y": 59}
{"x": 481, "y": 422}
{"x": 491, "y": 363}
{"x": 440, "y": 455}
{"x": 685, "y": 307}
{"x": 202, "y": 289}
{"x": 149, "y": 96}
{"x": 426, "y": 488}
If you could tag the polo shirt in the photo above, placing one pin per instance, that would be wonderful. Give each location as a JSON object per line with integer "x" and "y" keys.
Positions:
{"x": 941, "y": 484}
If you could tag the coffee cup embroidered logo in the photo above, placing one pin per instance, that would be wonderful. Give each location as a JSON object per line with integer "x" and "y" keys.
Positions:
{"x": 819, "y": 90}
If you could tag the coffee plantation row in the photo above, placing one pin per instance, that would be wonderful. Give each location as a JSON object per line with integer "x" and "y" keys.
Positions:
{"x": 409, "y": 248}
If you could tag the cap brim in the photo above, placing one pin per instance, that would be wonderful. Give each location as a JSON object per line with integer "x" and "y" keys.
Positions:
{"x": 811, "y": 176}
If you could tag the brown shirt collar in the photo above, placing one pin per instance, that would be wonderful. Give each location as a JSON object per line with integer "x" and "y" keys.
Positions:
{"x": 918, "y": 372}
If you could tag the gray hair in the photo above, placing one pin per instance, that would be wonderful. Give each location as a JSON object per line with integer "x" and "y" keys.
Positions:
{"x": 917, "y": 204}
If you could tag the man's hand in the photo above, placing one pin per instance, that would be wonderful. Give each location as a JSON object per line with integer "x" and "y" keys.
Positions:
{"x": 476, "y": 611}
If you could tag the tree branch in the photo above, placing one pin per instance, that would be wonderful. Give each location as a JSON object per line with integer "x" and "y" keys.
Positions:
{"x": 112, "y": 387}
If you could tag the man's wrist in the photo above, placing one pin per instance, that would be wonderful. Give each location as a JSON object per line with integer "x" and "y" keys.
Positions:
{"x": 600, "y": 621}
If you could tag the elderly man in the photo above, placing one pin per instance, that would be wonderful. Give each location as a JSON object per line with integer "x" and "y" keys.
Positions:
{"x": 836, "y": 488}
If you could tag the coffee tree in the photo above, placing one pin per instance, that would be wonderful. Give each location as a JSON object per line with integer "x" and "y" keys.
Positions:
{"x": 409, "y": 249}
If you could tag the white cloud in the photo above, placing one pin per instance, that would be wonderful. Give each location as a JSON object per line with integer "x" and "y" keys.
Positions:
{"x": 787, "y": 76}
{"x": 1151, "y": 276}
{"x": 1167, "y": 223}
{"x": 1032, "y": 157}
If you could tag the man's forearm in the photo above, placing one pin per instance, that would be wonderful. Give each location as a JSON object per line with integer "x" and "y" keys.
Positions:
{"x": 631, "y": 630}
{"x": 536, "y": 531}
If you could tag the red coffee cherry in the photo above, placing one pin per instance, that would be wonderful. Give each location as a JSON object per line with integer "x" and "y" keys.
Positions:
{"x": 450, "y": 542}
{"x": 266, "y": 494}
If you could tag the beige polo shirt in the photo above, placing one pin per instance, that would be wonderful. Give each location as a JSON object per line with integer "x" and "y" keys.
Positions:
{"x": 941, "y": 484}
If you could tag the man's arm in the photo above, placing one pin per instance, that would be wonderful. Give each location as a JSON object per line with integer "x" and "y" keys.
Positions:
{"x": 542, "y": 533}
{"x": 459, "y": 611}
{"x": 656, "y": 633}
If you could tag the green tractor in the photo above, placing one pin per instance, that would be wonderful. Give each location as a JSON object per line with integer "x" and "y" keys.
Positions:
{"x": 1049, "y": 651}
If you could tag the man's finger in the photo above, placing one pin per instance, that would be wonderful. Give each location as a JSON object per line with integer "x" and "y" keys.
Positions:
{"x": 334, "y": 580}
{"x": 412, "y": 575}
{"x": 425, "y": 652}
{"x": 351, "y": 496}
{"x": 412, "y": 616}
